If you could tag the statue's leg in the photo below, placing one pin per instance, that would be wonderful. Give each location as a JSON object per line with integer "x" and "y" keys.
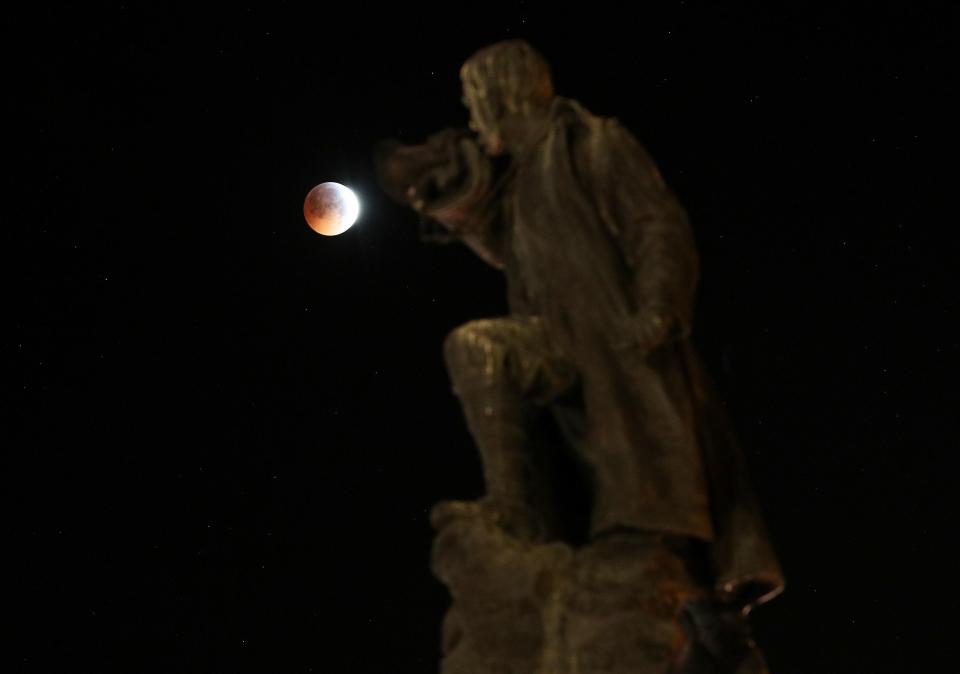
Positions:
{"x": 503, "y": 373}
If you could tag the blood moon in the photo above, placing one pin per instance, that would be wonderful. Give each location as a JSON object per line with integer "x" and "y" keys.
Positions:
{"x": 331, "y": 208}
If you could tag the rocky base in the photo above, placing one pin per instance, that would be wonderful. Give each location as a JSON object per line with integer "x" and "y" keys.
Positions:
{"x": 627, "y": 603}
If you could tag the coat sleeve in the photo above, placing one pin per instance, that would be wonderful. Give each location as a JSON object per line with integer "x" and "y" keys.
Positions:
{"x": 645, "y": 219}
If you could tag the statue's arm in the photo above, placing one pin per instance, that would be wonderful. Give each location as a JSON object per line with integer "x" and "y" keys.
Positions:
{"x": 650, "y": 228}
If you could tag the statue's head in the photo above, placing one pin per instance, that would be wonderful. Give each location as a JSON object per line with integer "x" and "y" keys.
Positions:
{"x": 503, "y": 85}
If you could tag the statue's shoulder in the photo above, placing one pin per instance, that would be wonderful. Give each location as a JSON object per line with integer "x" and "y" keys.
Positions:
{"x": 573, "y": 115}
{"x": 592, "y": 137}
{"x": 584, "y": 125}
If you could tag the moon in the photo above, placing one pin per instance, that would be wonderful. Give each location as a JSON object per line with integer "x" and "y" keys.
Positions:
{"x": 331, "y": 208}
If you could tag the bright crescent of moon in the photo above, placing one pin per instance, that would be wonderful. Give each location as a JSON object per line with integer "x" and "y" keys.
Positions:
{"x": 352, "y": 206}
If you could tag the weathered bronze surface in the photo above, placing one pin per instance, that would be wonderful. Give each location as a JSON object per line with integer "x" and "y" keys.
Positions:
{"x": 591, "y": 380}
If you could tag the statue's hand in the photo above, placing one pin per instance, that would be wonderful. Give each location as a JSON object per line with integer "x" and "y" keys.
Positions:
{"x": 646, "y": 331}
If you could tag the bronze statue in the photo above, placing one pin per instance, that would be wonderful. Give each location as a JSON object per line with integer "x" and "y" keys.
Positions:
{"x": 601, "y": 271}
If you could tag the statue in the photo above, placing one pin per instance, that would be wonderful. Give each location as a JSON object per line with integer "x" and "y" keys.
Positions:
{"x": 593, "y": 366}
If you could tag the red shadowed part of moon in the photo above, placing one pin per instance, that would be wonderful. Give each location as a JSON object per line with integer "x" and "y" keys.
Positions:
{"x": 331, "y": 209}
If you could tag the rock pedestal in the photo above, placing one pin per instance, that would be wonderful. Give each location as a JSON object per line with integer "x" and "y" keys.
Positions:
{"x": 624, "y": 604}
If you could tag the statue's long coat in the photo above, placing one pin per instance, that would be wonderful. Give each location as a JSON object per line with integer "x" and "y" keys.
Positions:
{"x": 592, "y": 241}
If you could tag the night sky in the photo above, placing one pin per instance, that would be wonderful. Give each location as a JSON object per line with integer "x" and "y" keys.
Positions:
{"x": 224, "y": 432}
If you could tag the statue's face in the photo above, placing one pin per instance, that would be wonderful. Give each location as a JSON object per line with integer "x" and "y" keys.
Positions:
{"x": 482, "y": 120}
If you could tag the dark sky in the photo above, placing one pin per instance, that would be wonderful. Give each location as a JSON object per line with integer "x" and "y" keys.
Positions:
{"x": 224, "y": 432}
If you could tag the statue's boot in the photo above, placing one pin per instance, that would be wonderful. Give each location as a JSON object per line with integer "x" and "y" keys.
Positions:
{"x": 499, "y": 423}
{"x": 501, "y": 418}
